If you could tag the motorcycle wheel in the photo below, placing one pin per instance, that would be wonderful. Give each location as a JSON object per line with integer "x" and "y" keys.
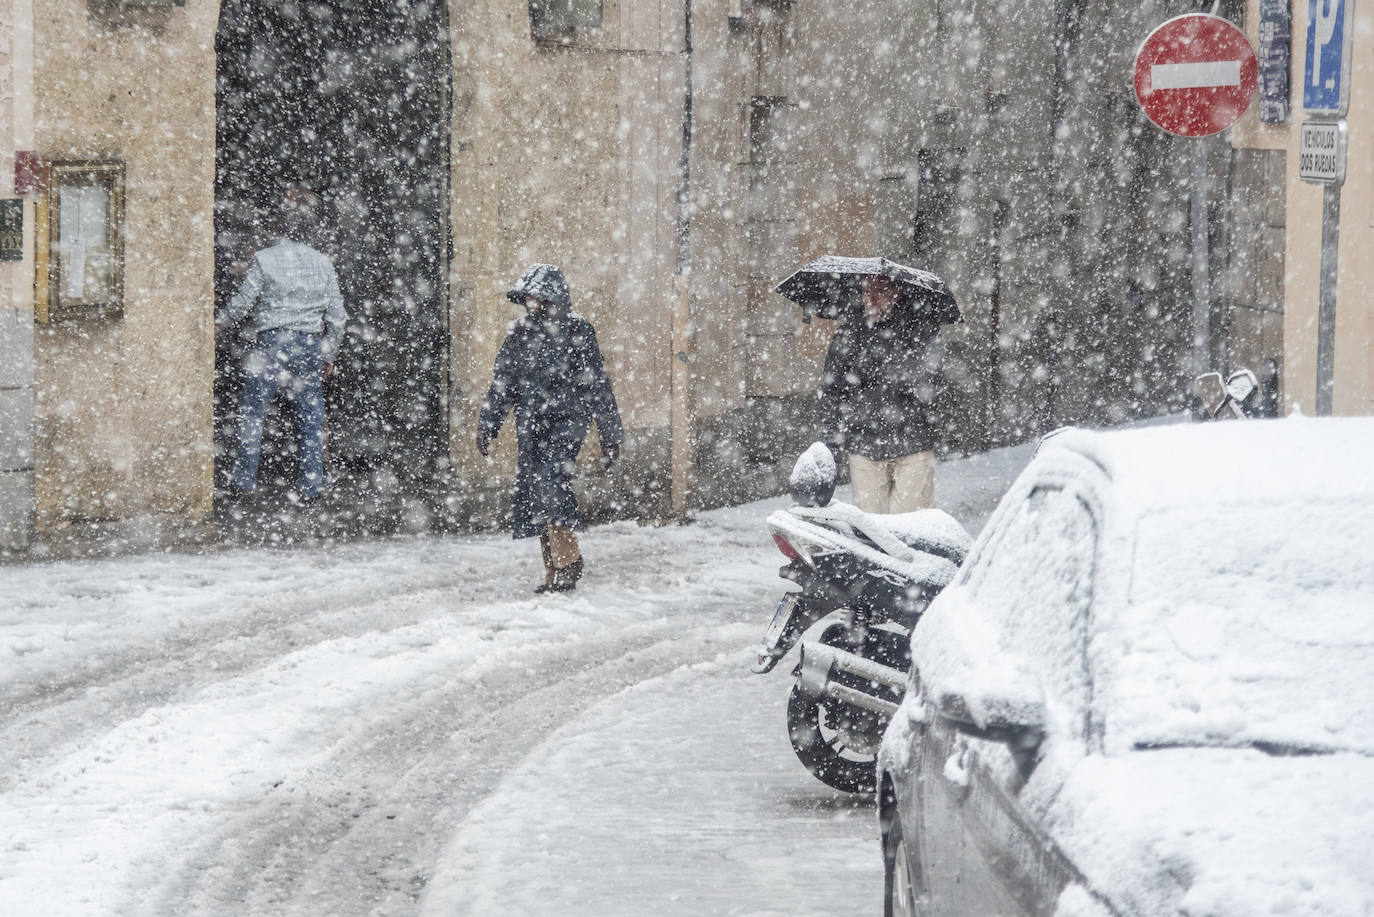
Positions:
{"x": 824, "y": 751}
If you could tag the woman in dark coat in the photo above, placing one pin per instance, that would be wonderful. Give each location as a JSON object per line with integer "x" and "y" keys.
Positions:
{"x": 550, "y": 371}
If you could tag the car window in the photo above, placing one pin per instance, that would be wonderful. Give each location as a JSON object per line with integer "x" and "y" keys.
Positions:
{"x": 1035, "y": 588}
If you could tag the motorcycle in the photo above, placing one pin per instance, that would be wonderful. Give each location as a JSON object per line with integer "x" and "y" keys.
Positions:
{"x": 873, "y": 576}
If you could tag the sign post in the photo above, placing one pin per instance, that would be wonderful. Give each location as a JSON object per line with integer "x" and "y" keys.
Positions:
{"x": 1321, "y": 151}
{"x": 1195, "y": 76}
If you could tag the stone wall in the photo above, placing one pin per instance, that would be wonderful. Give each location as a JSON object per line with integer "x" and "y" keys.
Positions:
{"x": 1000, "y": 145}
{"x": 16, "y": 298}
{"x": 566, "y": 150}
{"x": 123, "y": 403}
{"x": 1297, "y": 266}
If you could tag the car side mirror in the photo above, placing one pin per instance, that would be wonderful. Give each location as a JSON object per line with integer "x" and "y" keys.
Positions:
{"x": 975, "y": 686}
{"x": 813, "y": 477}
{"x": 1018, "y": 723}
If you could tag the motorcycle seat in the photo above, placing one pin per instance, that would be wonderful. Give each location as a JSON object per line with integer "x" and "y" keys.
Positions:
{"x": 932, "y": 531}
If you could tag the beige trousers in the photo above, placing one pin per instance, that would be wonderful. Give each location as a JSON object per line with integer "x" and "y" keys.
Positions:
{"x": 898, "y": 485}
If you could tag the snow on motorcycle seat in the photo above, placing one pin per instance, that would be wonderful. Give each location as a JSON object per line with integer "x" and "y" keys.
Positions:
{"x": 933, "y": 531}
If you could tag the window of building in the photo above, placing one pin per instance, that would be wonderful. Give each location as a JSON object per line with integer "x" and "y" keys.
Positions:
{"x": 85, "y": 240}
{"x": 558, "y": 18}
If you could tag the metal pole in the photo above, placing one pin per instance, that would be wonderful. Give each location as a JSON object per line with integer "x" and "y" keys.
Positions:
{"x": 1202, "y": 283}
{"x": 1326, "y": 305}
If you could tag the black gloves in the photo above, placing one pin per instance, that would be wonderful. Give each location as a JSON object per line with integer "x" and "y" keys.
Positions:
{"x": 483, "y": 440}
{"x": 610, "y": 454}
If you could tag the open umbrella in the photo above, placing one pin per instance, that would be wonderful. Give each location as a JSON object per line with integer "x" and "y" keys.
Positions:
{"x": 830, "y": 287}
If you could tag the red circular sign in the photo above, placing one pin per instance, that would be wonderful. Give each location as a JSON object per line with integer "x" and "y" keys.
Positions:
{"x": 1195, "y": 75}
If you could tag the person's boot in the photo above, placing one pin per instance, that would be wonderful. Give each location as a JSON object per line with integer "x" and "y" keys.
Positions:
{"x": 566, "y": 558}
{"x": 565, "y": 578}
{"x": 547, "y": 552}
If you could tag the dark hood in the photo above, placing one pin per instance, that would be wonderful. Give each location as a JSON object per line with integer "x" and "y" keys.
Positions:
{"x": 545, "y": 283}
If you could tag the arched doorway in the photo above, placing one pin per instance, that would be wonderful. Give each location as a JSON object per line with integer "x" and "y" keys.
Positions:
{"x": 349, "y": 99}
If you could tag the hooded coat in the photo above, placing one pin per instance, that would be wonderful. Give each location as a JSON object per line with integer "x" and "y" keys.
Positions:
{"x": 549, "y": 370}
{"x": 878, "y": 384}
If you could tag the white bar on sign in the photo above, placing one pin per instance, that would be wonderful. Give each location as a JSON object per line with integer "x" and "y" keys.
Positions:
{"x": 1198, "y": 75}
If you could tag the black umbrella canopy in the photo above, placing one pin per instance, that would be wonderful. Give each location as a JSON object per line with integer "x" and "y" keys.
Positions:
{"x": 830, "y": 287}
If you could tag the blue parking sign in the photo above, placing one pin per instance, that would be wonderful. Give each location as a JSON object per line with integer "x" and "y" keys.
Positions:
{"x": 1326, "y": 73}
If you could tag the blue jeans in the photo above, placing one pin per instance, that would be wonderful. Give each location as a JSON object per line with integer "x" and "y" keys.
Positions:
{"x": 290, "y": 361}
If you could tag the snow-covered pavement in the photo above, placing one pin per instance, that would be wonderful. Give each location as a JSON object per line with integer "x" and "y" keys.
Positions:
{"x": 401, "y": 727}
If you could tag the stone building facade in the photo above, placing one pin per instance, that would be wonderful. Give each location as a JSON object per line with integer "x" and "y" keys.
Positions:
{"x": 1287, "y": 264}
{"x": 16, "y": 299}
{"x": 677, "y": 158}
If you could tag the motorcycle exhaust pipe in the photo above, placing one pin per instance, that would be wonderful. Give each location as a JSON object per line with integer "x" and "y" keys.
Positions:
{"x": 820, "y": 663}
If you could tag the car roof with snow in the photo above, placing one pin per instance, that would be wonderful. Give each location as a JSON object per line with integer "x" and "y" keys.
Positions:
{"x": 1177, "y": 464}
{"x": 1237, "y": 541}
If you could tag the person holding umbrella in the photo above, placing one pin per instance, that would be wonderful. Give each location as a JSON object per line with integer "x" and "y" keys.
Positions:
{"x": 549, "y": 370}
{"x": 880, "y": 373}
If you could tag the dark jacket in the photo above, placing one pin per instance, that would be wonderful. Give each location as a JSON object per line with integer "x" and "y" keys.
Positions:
{"x": 550, "y": 372}
{"x": 878, "y": 384}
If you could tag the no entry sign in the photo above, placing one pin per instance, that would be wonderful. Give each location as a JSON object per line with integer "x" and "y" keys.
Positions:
{"x": 1195, "y": 75}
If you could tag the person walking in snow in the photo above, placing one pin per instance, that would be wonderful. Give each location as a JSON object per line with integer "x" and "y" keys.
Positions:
{"x": 549, "y": 370}
{"x": 290, "y": 294}
{"x": 874, "y": 400}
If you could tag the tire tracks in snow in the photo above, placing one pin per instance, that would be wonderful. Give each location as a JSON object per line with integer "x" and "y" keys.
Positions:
{"x": 357, "y": 829}
{"x": 43, "y": 720}
{"x": 361, "y": 835}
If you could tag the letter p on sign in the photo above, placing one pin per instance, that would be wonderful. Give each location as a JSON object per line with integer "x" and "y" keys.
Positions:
{"x": 1326, "y": 76}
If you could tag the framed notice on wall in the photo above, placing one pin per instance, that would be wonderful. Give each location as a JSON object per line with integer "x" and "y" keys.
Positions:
{"x": 85, "y": 224}
{"x": 12, "y": 230}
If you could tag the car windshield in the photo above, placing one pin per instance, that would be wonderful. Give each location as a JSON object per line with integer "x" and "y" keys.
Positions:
{"x": 1246, "y": 624}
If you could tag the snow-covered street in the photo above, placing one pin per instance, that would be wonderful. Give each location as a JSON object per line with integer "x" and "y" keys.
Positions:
{"x": 402, "y": 727}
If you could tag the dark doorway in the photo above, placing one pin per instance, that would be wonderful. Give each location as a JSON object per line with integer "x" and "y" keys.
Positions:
{"x": 348, "y": 99}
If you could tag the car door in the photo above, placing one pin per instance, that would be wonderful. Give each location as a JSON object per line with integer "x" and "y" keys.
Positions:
{"x": 984, "y": 852}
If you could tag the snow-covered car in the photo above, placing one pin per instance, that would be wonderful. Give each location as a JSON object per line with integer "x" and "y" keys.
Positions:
{"x": 1150, "y": 689}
